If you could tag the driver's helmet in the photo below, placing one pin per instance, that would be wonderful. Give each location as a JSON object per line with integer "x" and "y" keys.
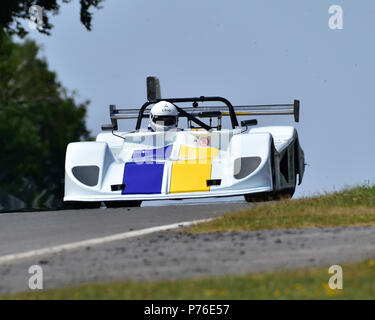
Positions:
{"x": 163, "y": 116}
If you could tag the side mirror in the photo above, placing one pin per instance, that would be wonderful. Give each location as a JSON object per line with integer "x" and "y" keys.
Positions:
{"x": 153, "y": 89}
{"x": 247, "y": 123}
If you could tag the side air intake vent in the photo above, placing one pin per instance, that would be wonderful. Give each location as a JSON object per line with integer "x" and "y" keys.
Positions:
{"x": 88, "y": 175}
{"x": 245, "y": 166}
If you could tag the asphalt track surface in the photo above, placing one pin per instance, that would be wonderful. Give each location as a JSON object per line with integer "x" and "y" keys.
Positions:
{"x": 26, "y": 231}
{"x": 107, "y": 244}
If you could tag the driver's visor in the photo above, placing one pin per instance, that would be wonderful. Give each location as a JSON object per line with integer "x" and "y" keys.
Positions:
{"x": 165, "y": 120}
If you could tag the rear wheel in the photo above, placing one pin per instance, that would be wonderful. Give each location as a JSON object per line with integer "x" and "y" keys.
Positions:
{"x": 122, "y": 204}
{"x": 82, "y": 204}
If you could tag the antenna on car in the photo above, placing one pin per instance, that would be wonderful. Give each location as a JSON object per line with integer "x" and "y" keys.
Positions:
{"x": 153, "y": 89}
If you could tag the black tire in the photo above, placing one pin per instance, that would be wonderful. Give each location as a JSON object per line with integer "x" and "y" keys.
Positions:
{"x": 270, "y": 196}
{"x": 122, "y": 204}
{"x": 82, "y": 204}
{"x": 284, "y": 194}
{"x": 259, "y": 197}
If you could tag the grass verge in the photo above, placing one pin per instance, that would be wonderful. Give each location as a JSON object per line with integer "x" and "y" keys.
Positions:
{"x": 358, "y": 283}
{"x": 352, "y": 207}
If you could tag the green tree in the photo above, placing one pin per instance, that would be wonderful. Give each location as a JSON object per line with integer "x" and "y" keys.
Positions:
{"x": 13, "y": 12}
{"x": 38, "y": 118}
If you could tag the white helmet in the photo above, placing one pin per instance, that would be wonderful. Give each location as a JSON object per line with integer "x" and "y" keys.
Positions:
{"x": 163, "y": 116}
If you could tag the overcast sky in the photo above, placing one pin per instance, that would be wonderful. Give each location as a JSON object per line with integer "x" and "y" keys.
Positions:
{"x": 251, "y": 51}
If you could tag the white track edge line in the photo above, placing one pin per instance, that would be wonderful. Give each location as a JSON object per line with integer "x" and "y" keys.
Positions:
{"x": 95, "y": 241}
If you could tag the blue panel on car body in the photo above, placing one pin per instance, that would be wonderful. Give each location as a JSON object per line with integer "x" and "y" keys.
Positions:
{"x": 143, "y": 178}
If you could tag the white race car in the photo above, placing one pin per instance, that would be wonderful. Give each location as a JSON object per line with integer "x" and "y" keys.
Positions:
{"x": 202, "y": 160}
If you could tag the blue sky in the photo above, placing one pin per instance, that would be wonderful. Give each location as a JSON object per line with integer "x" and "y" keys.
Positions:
{"x": 251, "y": 51}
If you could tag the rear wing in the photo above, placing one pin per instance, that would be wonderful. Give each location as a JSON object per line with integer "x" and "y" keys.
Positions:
{"x": 203, "y": 111}
{"x": 153, "y": 96}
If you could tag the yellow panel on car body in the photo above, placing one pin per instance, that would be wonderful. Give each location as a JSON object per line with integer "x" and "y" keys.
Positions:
{"x": 191, "y": 172}
{"x": 190, "y": 177}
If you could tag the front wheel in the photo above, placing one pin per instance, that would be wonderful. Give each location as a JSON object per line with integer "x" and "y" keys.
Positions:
{"x": 284, "y": 194}
{"x": 259, "y": 197}
{"x": 82, "y": 204}
{"x": 270, "y": 196}
{"x": 122, "y": 204}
